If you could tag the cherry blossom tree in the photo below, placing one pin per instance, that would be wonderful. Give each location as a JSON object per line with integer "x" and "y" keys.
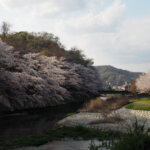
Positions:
{"x": 33, "y": 80}
{"x": 143, "y": 83}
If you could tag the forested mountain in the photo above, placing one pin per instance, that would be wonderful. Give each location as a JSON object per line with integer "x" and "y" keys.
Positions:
{"x": 112, "y": 76}
{"x": 37, "y": 71}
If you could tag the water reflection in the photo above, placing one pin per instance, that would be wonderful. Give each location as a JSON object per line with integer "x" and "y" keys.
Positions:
{"x": 33, "y": 122}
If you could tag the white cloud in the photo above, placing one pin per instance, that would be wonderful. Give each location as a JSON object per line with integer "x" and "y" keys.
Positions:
{"x": 105, "y": 20}
{"x": 134, "y": 34}
{"x": 43, "y": 7}
{"x": 101, "y": 30}
{"x": 93, "y": 4}
{"x": 128, "y": 46}
{"x": 143, "y": 67}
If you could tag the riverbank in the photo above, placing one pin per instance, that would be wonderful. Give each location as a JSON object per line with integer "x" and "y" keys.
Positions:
{"x": 53, "y": 126}
{"x": 119, "y": 120}
{"x": 83, "y": 127}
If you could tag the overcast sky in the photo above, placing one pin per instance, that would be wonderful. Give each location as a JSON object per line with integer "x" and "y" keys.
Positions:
{"x": 112, "y": 32}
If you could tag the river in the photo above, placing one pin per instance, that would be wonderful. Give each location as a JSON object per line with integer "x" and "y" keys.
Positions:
{"x": 32, "y": 122}
{"x": 66, "y": 144}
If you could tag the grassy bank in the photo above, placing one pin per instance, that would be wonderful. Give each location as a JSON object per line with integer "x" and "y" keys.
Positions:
{"x": 139, "y": 104}
{"x": 57, "y": 134}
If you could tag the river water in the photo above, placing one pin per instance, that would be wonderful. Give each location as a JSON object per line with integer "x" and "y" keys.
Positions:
{"x": 68, "y": 144}
{"x": 40, "y": 121}
{"x": 32, "y": 122}
{"x": 35, "y": 121}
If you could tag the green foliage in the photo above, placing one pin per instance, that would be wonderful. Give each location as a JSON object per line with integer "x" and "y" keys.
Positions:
{"x": 76, "y": 56}
{"x": 32, "y": 42}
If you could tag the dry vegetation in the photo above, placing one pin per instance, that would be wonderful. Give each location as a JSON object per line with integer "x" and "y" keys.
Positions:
{"x": 105, "y": 107}
{"x": 101, "y": 106}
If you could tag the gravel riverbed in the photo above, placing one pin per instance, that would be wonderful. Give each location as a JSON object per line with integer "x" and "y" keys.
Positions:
{"x": 128, "y": 118}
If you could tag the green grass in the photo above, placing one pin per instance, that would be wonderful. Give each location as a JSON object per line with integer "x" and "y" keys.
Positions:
{"x": 137, "y": 107}
{"x": 70, "y": 132}
{"x": 139, "y": 104}
{"x": 35, "y": 140}
{"x": 70, "y": 114}
{"x": 79, "y": 131}
{"x": 142, "y": 101}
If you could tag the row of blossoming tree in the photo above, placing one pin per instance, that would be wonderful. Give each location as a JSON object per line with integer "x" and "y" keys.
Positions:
{"x": 33, "y": 80}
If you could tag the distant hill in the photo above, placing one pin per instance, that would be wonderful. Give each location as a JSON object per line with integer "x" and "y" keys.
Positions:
{"x": 115, "y": 77}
